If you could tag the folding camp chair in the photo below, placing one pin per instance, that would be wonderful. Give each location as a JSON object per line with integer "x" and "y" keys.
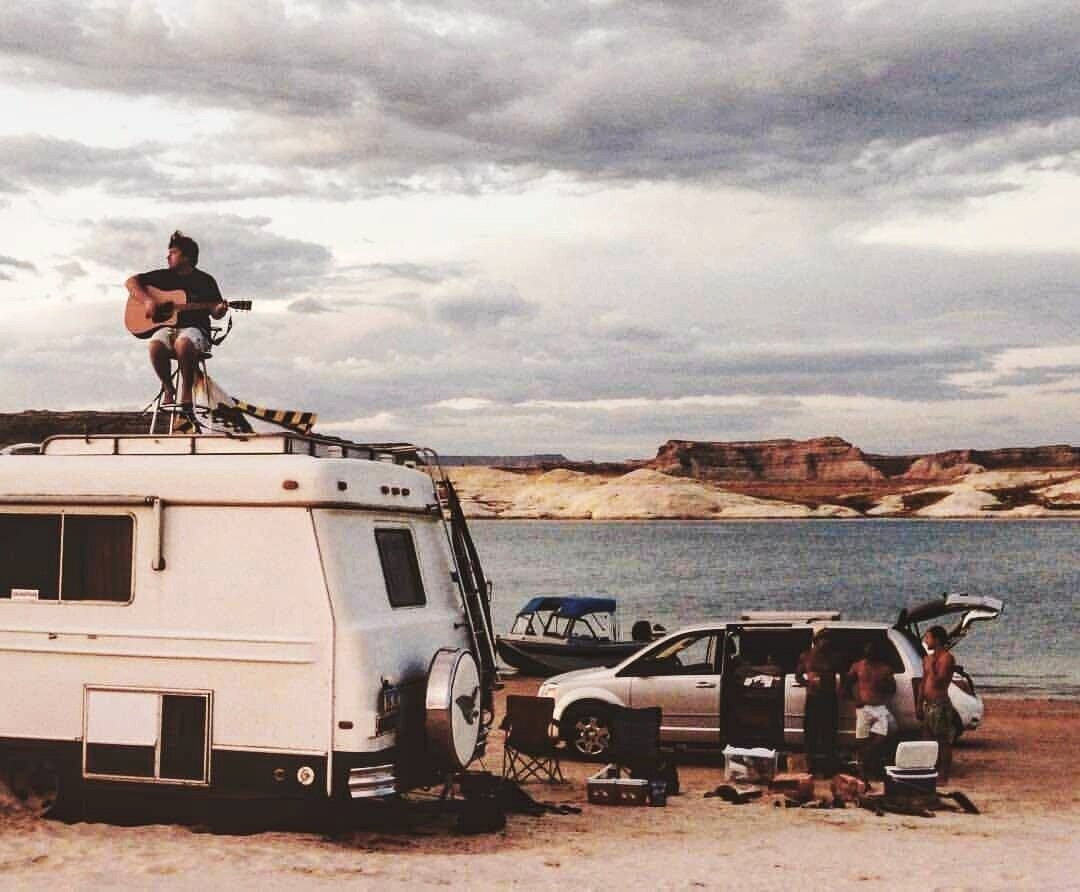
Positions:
{"x": 635, "y": 741}
{"x": 529, "y": 751}
{"x": 635, "y": 747}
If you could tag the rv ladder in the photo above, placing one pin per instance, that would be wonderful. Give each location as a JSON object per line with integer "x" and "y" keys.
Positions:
{"x": 475, "y": 593}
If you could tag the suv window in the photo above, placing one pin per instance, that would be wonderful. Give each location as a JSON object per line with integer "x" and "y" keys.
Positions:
{"x": 777, "y": 649}
{"x": 401, "y": 570}
{"x": 691, "y": 654}
{"x": 66, "y": 557}
{"x": 848, "y": 644}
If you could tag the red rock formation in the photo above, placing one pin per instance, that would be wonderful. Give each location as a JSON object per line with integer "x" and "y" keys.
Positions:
{"x": 34, "y": 426}
{"x": 821, "y": 459}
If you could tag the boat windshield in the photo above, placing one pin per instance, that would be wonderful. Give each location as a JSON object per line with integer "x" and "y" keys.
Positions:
{"x": 595, "y": 626}
{"x": 531, "y": 623}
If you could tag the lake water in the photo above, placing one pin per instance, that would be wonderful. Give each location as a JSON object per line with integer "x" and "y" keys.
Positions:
{"x": 679, "y": 573}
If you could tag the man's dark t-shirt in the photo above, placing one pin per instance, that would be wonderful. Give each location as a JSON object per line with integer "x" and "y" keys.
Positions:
{"x": 200, "y": 287}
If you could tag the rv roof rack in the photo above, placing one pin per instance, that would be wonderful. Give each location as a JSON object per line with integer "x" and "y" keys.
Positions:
{"x": 287, "y": 443}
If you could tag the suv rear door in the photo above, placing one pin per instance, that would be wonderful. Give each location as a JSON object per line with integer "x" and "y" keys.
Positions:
{"x": 963, "y": 608}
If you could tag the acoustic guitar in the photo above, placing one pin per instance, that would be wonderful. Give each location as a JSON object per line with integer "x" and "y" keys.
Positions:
{"x": 168, "y": 305}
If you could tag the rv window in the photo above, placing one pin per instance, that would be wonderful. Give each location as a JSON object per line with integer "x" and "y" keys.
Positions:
{"x": 97, "y": 558}
{"x": 401, "y": 570}
{"x": 30, "y": 555}
{"x": 96, "y": 554}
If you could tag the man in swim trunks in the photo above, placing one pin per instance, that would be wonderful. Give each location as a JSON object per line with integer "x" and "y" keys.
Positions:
{"x": 872, "y": 685}
{"x": 191, "y": 336}
{"x": 934, "y": 707}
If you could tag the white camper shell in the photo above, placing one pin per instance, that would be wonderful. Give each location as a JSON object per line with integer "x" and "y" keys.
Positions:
{"x": 239, "y": 616}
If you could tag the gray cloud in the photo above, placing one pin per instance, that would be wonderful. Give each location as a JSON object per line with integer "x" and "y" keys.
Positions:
{"x": 242, "y": 253}
{"x": 15, "y": 263}
{"x": 70, "y": 271}
{"x": 428, "y": 274}
{"x": 57, "y": 164}
{"x": 483, "y": 309}
{"x": 883, "y": 98}
{"x": 309, "y": 305}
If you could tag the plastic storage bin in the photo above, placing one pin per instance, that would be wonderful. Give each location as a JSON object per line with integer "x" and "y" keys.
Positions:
{"x": 754, "y": 765}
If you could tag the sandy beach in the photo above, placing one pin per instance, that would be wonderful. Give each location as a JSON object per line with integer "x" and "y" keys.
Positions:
{"x": 1020, "y": 769}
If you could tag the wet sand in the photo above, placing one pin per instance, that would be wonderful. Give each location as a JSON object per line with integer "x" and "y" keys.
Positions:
{"x": 1020, "y": 769}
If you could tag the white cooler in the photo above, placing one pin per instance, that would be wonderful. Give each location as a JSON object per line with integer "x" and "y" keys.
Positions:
{"x": 910, "y": 781}
{"x": 917, "y": 754}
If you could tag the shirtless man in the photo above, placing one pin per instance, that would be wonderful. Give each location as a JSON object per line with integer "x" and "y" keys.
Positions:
{"x": 934, "y": 707}
{"x": 872, "y": 685}
{"x": 817, "y": 672}
{"x": 191, "y": 337}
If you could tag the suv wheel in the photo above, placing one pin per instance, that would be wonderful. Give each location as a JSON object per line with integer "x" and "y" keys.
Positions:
{"x": 587, "y": 730}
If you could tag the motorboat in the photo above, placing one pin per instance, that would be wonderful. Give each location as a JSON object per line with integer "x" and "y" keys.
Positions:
{"x": 557, "y": 634}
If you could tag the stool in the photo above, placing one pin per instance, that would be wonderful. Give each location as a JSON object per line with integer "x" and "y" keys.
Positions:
{"x": 172, "y": 410}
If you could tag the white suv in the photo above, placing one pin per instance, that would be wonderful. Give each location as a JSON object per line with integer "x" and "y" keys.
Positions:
{"x": 734, "y": 682}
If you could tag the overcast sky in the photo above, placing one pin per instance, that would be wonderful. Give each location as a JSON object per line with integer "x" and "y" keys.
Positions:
{"x": 586, "y": 226}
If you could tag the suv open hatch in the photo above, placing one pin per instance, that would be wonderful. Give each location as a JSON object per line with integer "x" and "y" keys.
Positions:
{"x": 969, "y": 608}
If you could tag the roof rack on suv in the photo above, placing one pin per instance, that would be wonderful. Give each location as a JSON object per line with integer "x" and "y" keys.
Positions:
{"x": 788, "y": 616}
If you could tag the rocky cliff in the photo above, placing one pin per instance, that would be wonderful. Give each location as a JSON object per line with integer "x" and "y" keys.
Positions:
{"x": 35, "y": 426}
{"x": 822, "y": 459}
{"x": 834, "y": 460}
{"x": 826, "y": 477}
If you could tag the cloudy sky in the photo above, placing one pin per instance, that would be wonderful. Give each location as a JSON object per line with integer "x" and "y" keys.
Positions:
{"x": 583, "y": 226}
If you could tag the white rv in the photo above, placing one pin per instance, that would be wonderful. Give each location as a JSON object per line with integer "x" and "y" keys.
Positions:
{"x": 270, "y": 615}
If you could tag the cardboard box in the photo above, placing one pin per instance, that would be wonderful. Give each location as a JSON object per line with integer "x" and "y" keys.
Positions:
{"x": 847, "y": 787}
{"x": 796, "y": 785}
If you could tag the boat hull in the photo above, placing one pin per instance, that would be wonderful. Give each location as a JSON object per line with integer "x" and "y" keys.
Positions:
{"x": 545, "y": 658}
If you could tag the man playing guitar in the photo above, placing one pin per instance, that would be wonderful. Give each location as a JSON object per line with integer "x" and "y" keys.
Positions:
{"x": 190, "y": 337}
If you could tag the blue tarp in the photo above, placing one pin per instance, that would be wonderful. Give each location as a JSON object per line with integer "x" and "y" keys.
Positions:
{"x": 572, "y": 607}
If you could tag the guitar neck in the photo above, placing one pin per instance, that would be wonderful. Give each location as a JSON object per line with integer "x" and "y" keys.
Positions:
{"x": 199, "y": 305}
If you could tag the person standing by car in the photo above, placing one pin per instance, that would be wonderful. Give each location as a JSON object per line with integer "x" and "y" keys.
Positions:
{"x": 872, "y": 685}
{"x": 934, "y": 707}
{"x": 816, "y": 670}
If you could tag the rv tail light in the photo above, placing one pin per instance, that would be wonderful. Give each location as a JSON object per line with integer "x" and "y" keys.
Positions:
{"x": 306, "y": 775}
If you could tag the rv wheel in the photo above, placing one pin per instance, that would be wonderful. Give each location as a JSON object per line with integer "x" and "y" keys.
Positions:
{"x": 34, "y": 782}
{"x": 586, "y": 727}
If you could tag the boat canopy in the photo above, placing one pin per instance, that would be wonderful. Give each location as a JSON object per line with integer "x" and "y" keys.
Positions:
{"x": 573, "y": 607}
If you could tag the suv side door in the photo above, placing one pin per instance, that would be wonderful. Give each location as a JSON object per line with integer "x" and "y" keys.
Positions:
{"x": 682, "y": 677}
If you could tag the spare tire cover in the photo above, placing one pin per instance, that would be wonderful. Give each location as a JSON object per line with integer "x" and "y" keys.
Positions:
{"x": 453, "y": 708}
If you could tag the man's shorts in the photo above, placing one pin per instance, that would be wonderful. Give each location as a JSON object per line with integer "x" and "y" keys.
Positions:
{"x": 938, "y": 719}
{"x": 168, "y": 336}
{"x": 873, "y": 720}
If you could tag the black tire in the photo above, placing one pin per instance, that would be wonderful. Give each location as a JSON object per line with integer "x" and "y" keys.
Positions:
{"x": 586, "y": 728}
